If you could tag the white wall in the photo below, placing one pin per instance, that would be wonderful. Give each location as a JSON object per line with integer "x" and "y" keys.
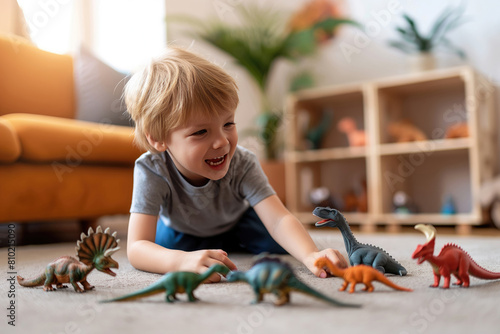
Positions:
{"x": 479, "y": 37}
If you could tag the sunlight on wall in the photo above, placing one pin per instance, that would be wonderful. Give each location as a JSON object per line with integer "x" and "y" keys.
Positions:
{"x": 129, "y": 33}
{"x": 49, "y": 23}
{"x": 123, "y": 33}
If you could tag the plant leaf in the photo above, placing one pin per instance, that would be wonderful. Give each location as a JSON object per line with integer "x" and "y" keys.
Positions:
{"x": 413, "y": 26}
{"x": 449, "y": 19}
{"x": 405, "y": 47}
{"x": 446, "y": 43}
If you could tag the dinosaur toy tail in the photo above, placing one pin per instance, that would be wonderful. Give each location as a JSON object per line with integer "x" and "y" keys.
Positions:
{"x": 149, "y": 291}
{"x": 382, "y": 279}
{"x": 298, "y": 286}
{"x": 479, "y": 272}
{"x": 40, "y": 280}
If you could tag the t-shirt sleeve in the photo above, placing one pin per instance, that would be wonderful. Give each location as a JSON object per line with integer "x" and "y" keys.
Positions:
{"x": 150, "y": 188}
{"x": 254, "y": 185}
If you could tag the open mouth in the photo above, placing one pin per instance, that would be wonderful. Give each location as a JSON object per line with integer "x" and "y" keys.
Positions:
{"x": 420, "y": 260}
{"x": 109, "y": 272}
{"x": 216, "y": 161}
{"x": 323, "y": 222}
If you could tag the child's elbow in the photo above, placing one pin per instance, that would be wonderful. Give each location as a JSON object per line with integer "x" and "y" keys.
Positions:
{"x": 133, "y": 254}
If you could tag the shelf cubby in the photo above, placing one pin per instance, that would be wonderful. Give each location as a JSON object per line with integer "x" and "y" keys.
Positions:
{"x": 427, "y": 170}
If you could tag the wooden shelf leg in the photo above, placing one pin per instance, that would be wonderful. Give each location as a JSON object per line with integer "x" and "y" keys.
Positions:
{"x": 463, "y": 229}
{"x": 393, "y": 228}
{"x": 368, "y": 228}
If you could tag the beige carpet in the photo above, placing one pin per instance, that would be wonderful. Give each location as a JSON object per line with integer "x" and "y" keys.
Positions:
{"x": 224, "y": 307}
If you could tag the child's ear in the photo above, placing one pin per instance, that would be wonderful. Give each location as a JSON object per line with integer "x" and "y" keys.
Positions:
{"x": 160, "y": 146}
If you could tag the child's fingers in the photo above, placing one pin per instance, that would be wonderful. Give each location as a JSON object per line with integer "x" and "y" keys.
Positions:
{"x": 319, "y": 272}
{"x": 337, "y": 258}
{"x": 221, "y": 257}
{"x": 214, "y": 278}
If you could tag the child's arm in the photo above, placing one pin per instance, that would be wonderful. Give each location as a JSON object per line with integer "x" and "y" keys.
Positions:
{"x": 289, "y": 232}
{"x": 145, "y": 255}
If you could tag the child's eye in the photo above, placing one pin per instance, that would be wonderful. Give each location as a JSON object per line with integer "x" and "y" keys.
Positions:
{"x": 199, "y": 133}
{"x": 229, "y": 124}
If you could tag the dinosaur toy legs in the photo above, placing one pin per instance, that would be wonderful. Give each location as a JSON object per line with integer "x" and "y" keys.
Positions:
{"x": 452, "y": 260}
{"x": 357, "y": 274}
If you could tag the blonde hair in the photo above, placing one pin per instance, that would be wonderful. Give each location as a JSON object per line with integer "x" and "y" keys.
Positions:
{"x": 165, "y": 94}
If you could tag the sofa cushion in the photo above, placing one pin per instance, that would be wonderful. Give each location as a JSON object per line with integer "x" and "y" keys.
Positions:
{"x": 34, "y": 81}
{"x": 10, "y": 147}
{"x": 35, "y": 192}
{"x": 99, "y": 90}
{"x": 73, "y": 142}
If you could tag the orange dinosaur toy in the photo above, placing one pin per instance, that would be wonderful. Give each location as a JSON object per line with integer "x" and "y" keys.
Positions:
{"x": 355, "y": 136}
{"x": 357, "y": 274}
{"x": 404, "y": 131}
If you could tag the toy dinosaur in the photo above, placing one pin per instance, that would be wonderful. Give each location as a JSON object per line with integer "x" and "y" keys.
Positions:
{"x": 357, "y": 274}
{"x": 173, "y": 283}
{"x": 93, "y": 250}
{"x": 405, "y": 131}
{"x": 355, "y": 136}
{"x": 459, "y": 130}
{"x": 317, "y": 133}
{"x": 452, "y": 260}
{"x": 270, "y": 275}
{"x": 358, "y": 253}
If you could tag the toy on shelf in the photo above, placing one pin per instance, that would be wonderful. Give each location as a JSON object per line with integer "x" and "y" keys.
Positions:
{"x": 350, "y": 201}
{"x": 452, "y": 260}
{"x": 357, "y": 274}
{"x": 93, "y": 250}
{"x": 321, "y": 196}
{"x": 449, "y": 207}
{"x": 405, "y": 131}
{"x": 316, "y": 134}
{"x": 355, "y": 200}
{"x": 458, "y": 130}
{"x": 173, "y": 283}
{"x": 270, "y": 275}
{"x": 358, "y": 253}
{"x": 402, "y": 203}
{"x": 355, "y": 136}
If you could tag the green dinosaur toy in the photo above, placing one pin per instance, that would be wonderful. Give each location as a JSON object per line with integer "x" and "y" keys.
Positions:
{"x": 93, "y": 251}
{"x": 173, "y": 283}
{"x": 270, "y": 275}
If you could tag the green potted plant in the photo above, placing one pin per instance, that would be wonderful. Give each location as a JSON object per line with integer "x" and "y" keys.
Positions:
{"x": 260, "y": 39}
{"x": 412, "y": 41}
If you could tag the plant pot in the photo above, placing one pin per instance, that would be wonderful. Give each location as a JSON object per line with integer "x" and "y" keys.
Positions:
{"x": 422, "y": 62}
{"x": 275, "y": 172}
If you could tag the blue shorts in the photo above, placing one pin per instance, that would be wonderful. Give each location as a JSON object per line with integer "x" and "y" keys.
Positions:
{"x": 248, "y": 236}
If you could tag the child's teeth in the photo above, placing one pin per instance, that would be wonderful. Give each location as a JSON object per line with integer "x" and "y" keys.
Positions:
{"x": 216, "y": 161}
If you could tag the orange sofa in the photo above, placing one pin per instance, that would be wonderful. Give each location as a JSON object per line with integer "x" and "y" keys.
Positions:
{"x": 53, "y": 167}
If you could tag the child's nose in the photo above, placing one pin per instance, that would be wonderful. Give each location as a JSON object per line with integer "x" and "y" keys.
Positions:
{"x": 220, "y": 141}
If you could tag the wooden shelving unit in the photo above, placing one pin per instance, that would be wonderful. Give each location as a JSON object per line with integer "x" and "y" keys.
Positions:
{"x": 427, "y": 171}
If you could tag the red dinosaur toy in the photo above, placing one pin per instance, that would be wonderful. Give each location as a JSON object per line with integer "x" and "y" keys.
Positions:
{"x": 452, "y": 260}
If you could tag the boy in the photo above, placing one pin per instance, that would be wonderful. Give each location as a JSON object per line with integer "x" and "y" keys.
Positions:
{"x": 196, "y": 193}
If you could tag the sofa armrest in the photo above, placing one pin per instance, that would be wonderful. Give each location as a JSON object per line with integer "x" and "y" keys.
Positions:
{"x": 10, "y": 147}
{"x": 46, "y": 139}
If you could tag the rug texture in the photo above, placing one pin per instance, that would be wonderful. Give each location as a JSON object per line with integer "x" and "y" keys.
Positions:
{"x": 225, "y": 307}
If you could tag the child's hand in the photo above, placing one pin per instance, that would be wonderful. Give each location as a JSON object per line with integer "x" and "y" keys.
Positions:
{"x": 200, "y": 261}
{"x": 332, "y": 254}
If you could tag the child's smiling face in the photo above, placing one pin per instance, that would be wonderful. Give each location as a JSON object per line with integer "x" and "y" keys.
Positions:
{"x": 202, "y": 149}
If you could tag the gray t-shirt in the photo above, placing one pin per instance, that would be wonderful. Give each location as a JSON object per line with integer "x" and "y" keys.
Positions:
{"x": 160, "y": 190}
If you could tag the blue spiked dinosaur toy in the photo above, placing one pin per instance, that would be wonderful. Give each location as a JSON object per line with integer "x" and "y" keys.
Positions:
{"x": 271, "y": 275}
